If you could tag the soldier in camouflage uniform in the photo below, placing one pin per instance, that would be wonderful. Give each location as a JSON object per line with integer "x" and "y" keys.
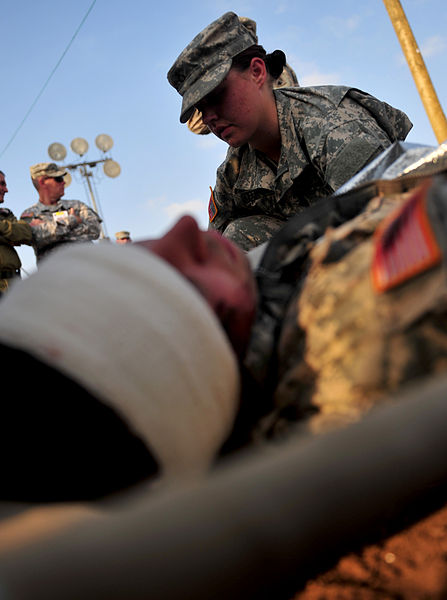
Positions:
{"x": 54, "y": 221}
{"x": 289, "y": 148}
{"x": 12, "y": 233}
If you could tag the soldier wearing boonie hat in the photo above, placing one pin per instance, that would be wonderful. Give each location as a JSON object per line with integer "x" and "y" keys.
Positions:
{"x": 122, "y": 237}
{"x": 46, "y": 170}
{"x": 295, "y": 146}
{"x": 54, "y": 220}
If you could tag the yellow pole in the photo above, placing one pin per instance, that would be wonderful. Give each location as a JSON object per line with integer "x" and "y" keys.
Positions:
{"x": 418, "y": 69}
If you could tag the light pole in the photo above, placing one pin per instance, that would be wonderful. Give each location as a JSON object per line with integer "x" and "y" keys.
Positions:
{"x": 80, "y": 146}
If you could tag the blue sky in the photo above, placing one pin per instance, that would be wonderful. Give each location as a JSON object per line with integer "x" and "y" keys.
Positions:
{"x": 113, "y": 80}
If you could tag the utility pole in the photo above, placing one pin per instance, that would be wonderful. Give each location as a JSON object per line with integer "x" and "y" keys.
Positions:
{"x": 418, "y": 69}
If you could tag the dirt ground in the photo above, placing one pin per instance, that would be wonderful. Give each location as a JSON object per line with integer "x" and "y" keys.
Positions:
{"x": 410, "y": 565}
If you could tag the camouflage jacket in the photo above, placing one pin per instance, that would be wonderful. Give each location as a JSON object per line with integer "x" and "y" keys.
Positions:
{"x": 12, "y": 233}
{"x": 328, "y": 134}
{"x": 59, "y": 227}
{"x": 346, "y": 320}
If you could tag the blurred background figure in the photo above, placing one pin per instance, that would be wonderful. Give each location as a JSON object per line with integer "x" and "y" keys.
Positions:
{"x": 12, "y": 233}
{"x": 123, "y": 237}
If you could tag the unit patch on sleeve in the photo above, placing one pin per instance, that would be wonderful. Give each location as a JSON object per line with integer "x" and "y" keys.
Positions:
{"x": 212, "y": 208}
{"x": 404, "y": 245}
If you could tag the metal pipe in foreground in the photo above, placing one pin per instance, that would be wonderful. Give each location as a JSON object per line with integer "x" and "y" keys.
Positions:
{"x": 418, "y": 69}
{"x": 256, "y": 528}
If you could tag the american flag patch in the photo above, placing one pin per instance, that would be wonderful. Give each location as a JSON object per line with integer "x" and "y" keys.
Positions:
{"x": 404, "y": 245}
{"x": 212, "y": 208}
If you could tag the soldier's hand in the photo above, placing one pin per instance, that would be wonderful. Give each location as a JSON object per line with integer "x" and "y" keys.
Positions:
{"x": 35, "y": 222}
{"x": 74, "y": 213}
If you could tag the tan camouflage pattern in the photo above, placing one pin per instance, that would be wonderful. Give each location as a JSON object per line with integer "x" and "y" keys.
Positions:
{"x": 287, "y": 78}
{"x": 46, "y": 169}
{"x": 196, "y": 125}
{"x": 251, "y": 26}
{"x": 206, "y": 61}
{"x": 328, "y": 134}
{"x": 122, "y": 235}
{"x": 12, "y": 233}
{"x": 54, "y": 232}
{"x": 344, "y": 347}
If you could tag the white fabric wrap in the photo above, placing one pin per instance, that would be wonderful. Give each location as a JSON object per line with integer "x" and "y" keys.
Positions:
{"x": 127, "y": 327}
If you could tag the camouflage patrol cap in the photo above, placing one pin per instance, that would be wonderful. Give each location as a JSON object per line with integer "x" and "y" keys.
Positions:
{"x": 206, "y": 61}
{"x": 46, "y": 170}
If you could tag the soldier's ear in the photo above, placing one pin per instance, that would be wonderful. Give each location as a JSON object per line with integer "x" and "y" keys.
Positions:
{"x": 258, "y": 71}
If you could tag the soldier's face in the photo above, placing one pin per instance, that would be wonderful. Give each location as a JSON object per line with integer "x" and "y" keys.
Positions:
{"x": 218, "y": 269}
{"x": 54, "y": 188}
{"x": 234, "y": 111}
{"x": 3, "y": 188}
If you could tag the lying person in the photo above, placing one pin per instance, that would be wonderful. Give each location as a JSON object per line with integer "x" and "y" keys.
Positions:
{"x": 193, "y": 356}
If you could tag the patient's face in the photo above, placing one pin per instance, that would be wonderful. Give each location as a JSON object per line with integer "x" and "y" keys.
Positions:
{"x": 218, "y": 269}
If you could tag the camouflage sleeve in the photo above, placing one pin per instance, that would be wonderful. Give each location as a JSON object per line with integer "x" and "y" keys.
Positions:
{"x": 48, "y": 231}
{"x": 90, "y": 228}
{"x": 15, "y": 232}
{"x": 221, "y": 209}
{"x": 354, "y": 139}
{"x": 68, "y": 228}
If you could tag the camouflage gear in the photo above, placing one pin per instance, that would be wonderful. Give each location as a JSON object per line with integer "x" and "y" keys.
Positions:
{"x": 337, "y": 347}
{"x": 46, "y": 170}
{"x": 12, "y": 233}
{"x": 287, "y": 78}
{"x": 206, "y": 61}
{"x": 122, "y": 235}
{"x": 248, "y": 232}
{"x": 328, "y": 134}
{"x": 59, "y": 227}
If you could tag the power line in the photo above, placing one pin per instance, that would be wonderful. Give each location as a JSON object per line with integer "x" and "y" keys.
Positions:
{"x": 48, "y": 79}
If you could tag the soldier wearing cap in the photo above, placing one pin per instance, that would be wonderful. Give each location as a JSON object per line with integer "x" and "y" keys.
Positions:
{"x": 123, "y": 237}
{"x": 288, "y": 147}
{"x": 12, "y": 233}
{"x": 56, "y": 221}
{"x": 287, "y": 78}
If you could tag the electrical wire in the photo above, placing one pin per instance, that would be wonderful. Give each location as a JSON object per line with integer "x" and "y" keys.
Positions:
{"x": 48, "y": 79}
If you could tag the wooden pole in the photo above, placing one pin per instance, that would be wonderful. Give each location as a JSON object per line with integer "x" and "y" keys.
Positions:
{"x": 418, "y": 69}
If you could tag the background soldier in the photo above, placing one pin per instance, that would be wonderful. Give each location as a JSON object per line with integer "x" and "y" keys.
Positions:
{"x": 123, "y": 237}
{"x": 55, "y": 221}
{"x": 12, "y": 233}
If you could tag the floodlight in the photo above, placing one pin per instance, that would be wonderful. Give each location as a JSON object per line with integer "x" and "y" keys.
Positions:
{"x": 104, "y": 142}
{"x": 111, "y": 168}
{"x": 79, "y": 145}
{"x": 57, "y": 151}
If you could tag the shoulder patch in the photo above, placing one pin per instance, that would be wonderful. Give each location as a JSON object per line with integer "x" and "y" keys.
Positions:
{"x": 212, "y": 208}
{"x": 404, "y": 244}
